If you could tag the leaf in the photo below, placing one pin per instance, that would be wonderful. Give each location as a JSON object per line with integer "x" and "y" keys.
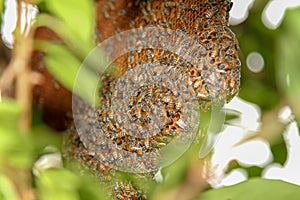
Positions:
{"x": 252, "y": 171}
{"x": 9, "y": 115}
{"x": 7, "y": 191}
{"x": 61, "y": 184}
{"x": 255, "y": 188}
{"x": 65, "y": 67}
{"x": 78, "y": 16}
{"x": 13, "y": 146}
{"x": 279, "y": 150}
{"x": 1, "y": 12}
{"x": 42, "y": 136}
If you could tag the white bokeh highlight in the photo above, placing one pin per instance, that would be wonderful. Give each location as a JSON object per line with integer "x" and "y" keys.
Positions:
{"x": 255, "y": 62}
{"x": 273, "y": 13}
{"x": 290, "y": 170}
{"x": 253, "y": 152}
{"x": 240, "y": 11}
{"x": 234, "y": 177}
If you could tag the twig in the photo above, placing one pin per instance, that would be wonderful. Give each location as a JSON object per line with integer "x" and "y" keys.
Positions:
{"x": 18, "y": 69}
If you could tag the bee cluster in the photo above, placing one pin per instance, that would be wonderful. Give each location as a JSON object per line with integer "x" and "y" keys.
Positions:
{"x": 153, "y": 96}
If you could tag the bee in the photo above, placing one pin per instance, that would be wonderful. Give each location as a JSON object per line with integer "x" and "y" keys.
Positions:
{"x": 129, "y": 133}
{"x": 228, "y": 33}
{"x": 139, "y": 99}
{"x": 111, "y": 126}
{"x": 149, "y": 90}
{"x": 146, "y": 142}
{"x": 181, "y": 124}
{"x": 150, "y": 104}
{"x": 189, "y": 81}
{"x": 165, "y": 140}
{"x": 159, "y": 138}
{"x": 130, "y": 118}
{"x": 172, "y": 132}
{"x": 120, "y": 197}
{"x": 121, "y": 133}
{"x": 170, "y": 4}
{"x": 106, "y": 101}
{"x": 197, "y": 83}
{"x": 101, "y": 167}
{"x": 120, "y": 157}
{"x": 106, "y": 131}
{"x": 131, "y": 100}
{"x": 104, "y": 114}
{"x": 214, "y": 53}
{"x": 119, "y": 119}
{"x": 127, "y": 187}
{"x": 166, "y": 99}
{"x": 161, "y": 145}
{"x": 117, "y": 126}
{"x": 165, "y": 131}
{"x": 110, "y": 142}
{"x": 138, "y": 150}
{"x": 138, "y": 113}
{"x": 85, "y": 158}
{"x": 202, "y": 92}
{"x": 111, "y": 114}
{"x": 128, "y": 147}
{"x": 102, "y": 157}
{"x": 141, "y": 167}
{"x": 178, "y": 105}
{"x": 146, "y": 116}
{"x": 171, "y": 112}
{"x": 107, "y": 178}
{"x": 232, "y": 82}
{"x": 114, "y": 153}
{"x": 140, "y": 128}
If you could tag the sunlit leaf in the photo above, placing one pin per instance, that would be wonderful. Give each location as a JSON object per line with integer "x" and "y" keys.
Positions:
{"x": 61, "y": 184}
{"x": 60, "y": 62}
{"x": 255, "y": 188}
{"x": 9, "y": 115}
{"x": 78, "y": 16}
{"x": 13, "y": 145}
{"x": 1, "y": 11}
{"x": 64, "y": 66}
{"x": 42, "y": 136}
{"x": 79, "y": 48}
{"x": 7, "y": 191}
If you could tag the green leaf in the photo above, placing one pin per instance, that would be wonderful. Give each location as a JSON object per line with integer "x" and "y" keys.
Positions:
{"x": 255, "y": 188}
{"x": 13, "y": 145}
{"x": 7, "y": 191}
{"x": 42, "y": 136}
{"x": 61, "y": 184}
{"x": 279, "y": 150}
{"x": 1, "y": 12}
{"x": 9, "y": 133}
{"x": 60, "y": 62}
{"x": 65, "y": 67}
{"x": 252, "y": 171}
{"x": 78, "y": 16}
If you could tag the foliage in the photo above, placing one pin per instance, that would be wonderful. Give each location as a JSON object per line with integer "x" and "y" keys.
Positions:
{"x": 256, "y": 188}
